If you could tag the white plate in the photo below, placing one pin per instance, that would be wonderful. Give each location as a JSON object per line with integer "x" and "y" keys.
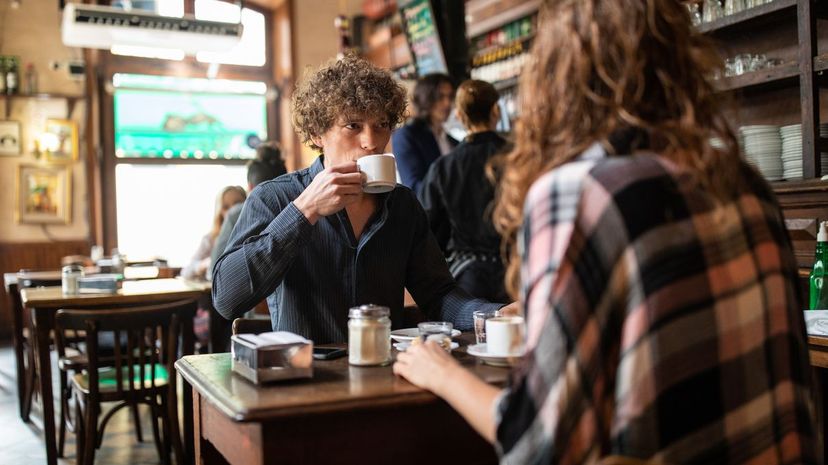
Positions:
{"x": 479, "y": 351}
{"x": 407, "y": 334}
{"x": 402, "y": 346}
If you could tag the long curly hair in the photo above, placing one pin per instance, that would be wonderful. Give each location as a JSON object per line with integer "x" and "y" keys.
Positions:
{"x": 598, "y": 67}
{"x": 349, "y": 87}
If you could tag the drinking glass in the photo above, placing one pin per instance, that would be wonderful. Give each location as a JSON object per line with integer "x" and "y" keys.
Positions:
{"x": 480, "y": 317}
{"x": 734, "y": 6}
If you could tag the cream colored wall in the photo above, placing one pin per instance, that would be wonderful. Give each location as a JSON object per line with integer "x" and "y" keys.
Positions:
{"x": 32, "y": 32}
{"x": 316, "y": 39}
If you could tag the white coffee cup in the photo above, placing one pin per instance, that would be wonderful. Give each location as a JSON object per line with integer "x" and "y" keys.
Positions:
{"x": 380, "y": 173}
{"x": 505, "y": 336}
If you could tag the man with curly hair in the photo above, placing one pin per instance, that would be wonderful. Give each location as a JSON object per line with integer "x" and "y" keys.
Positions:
{"x": 315, "y": 244}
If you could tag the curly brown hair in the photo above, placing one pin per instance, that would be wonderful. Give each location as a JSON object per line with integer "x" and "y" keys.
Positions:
{"x": 602, "y": 66}
{"x": 349, "y": 87}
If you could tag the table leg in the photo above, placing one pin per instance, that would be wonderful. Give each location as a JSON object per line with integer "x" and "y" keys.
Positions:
{"x": 17, "y": 341}
{"x": 187, "y": 343}
{"x": 43, "y": 322}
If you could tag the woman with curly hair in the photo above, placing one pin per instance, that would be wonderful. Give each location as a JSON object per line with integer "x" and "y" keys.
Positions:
{"x": 315, "y": 244}
{"x": 654, "y": 270}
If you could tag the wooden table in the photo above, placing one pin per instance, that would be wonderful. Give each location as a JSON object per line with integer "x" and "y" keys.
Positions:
{"x": 44, "y": 302}
{"x": 345, "y": 414}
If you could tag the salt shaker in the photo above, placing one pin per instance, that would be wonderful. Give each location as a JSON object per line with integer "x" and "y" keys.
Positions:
{"x": 69, "y": 279}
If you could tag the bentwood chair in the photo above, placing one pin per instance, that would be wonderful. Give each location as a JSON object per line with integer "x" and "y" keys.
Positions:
{"x": 251, "y": 325}
{"x": 139, "y": 371}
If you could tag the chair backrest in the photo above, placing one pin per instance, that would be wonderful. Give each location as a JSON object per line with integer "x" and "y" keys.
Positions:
{"x": 145, "y": 338}
{"x": 251, "y": 326}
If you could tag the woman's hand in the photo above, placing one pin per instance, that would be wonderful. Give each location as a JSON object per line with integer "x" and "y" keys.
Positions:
{"x": 513, "y": 309}
{"x": 426, "y": 365}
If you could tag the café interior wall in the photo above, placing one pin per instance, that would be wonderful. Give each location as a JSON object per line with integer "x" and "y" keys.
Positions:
{"x": 317, "y": 40}
{"x": 32, "y": 32}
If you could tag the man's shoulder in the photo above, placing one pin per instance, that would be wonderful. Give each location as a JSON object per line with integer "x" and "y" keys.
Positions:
{"x": 286, "y": 186}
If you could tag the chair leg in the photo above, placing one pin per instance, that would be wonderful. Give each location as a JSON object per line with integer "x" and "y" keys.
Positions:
{"x": 155, "y": 414}
{"x": 165, "y": 417}
{"x": 30, "y": 382}
{"x": 91, "y": 434}
{"x": 64, "y": 412}
{"x": 172, "y": 418}
{"x": 80, "y": 432}
{"x": 137, "y": 420}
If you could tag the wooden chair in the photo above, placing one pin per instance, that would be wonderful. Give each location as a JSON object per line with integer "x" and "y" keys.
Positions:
{"x": 142, "y": 372}
{"x": 251, "y": 326}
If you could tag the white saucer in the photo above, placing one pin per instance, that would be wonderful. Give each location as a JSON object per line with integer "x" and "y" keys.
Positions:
{"x": 479, "y": 351}
{"x": 407, "y": 334}
{"x": 402, "y": 346}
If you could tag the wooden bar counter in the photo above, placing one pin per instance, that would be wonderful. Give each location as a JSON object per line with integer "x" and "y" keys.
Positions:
{"x": 344, "y": 414}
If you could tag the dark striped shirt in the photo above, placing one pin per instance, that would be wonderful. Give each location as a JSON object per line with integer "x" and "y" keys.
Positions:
{"x": 312, "y": 274}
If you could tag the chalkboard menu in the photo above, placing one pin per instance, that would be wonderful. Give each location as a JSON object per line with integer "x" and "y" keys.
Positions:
{"x": 422, "y": 35}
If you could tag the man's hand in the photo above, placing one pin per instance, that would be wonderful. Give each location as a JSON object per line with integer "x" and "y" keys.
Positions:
{"x": 330, "y": 191}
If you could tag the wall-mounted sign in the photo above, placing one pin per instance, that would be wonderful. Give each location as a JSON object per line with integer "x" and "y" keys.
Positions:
{"x": 423, "y": 37}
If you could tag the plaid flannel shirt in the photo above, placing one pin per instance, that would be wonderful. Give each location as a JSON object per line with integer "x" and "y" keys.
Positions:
{"x": 661, "y": 324}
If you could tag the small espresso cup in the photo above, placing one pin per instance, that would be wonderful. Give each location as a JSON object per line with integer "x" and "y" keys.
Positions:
{"x": 380, "y": 173}
{"x": 505, "y": 336}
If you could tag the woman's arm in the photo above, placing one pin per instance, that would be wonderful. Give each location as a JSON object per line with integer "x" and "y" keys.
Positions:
{"x": 430, "y": 367}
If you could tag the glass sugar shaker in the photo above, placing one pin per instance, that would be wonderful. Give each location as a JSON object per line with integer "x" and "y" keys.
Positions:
{"x": 69, "y": 279}
{"x": 369, "y": 335}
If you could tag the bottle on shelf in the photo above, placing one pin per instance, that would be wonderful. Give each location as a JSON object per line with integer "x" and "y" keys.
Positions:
{"x": 30, "y": 80}
{"x": 818, "y": 286}
{"x": 12, "y": 81}
{"x": 2, "y": 75}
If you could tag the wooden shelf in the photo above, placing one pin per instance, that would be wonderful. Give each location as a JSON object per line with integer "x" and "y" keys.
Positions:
{"x": 41, "y": 96}
{"x": 523, "y": 39}
{"x": 478, "y": 27}
{"x": 766, "y": 78}
{"x": 805, "y": 185}
{"x": 750, "y": 15}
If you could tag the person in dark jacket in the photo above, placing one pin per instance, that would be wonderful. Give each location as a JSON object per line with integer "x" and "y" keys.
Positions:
{"x": 456, "y": 195}
{"x": 423, "y": 139}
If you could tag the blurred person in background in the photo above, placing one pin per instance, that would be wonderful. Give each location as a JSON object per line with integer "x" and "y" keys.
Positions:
{"x": 660, "y": 290}
{"x": 267, "y": 165}
{"x": 457, "y": 196}
{"x": 422, "y": 140}
{"x": 200, "y": 263}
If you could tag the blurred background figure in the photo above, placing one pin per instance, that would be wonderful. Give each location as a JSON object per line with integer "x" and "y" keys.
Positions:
{"x": 423, "y": 139}
{"x": 200, "y": 263}
{"x": 267, "y": 165}
{"x": 457, "y": 196}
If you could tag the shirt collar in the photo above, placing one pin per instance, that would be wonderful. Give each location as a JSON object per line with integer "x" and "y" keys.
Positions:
{"x": 317, "y": 166}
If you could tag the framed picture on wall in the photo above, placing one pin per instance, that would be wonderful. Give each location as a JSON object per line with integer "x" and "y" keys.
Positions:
{"x": 10, "y": 138}
{"x": 44, "y": 194}
{"x": 59, "y": 140}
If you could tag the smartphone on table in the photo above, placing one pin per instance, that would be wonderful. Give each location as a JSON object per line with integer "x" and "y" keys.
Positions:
{"x": 328, "y": 353}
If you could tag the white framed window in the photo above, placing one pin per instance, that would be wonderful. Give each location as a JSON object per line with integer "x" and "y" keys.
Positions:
{"x": 165, "y": 210}
{"x": 251, "y": 49}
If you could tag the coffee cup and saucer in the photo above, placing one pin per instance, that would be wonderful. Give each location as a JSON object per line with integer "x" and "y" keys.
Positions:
{"x": 505, "y": 341}
{"x": 379, "y": 173}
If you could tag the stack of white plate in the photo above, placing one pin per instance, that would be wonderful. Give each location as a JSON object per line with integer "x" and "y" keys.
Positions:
{"x": 792, "y": 150}
{"x": 763, "y": 149}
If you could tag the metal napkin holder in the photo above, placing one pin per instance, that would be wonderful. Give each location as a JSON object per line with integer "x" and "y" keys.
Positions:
{"x": 272, "y": 362}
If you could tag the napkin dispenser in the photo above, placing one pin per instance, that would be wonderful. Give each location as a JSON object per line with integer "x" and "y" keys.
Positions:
{"x": 275, "y": 356}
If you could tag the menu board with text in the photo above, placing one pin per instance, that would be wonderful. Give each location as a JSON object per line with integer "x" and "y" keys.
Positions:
{"x": 423, "y": 37}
